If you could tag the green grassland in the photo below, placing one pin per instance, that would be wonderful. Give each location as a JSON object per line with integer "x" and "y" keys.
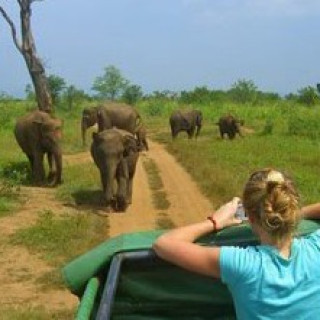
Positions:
{"x": 280, "y": 135}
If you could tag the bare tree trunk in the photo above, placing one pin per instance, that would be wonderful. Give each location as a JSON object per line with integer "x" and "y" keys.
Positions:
{"x": 28, "y": 50}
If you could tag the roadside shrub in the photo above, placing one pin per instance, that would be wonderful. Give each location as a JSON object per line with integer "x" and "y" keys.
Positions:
{"x": 268, "y": 127}
{"x": 16, "y": 172}
{"x": 305, "y": 126}
{"x": 155, "y": 109}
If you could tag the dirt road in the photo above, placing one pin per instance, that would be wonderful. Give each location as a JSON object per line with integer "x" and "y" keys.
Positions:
{"x": 186, "y": 205}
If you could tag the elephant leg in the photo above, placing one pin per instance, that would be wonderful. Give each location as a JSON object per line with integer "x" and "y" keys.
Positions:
{"x": 174, "y": 133}
{"x": 38, "y": 172}
{"x": 129, "y": 192}
{"x": 146, "y": 144}
{"x": 52, "y": 171}
{"x": 190, "y": 132}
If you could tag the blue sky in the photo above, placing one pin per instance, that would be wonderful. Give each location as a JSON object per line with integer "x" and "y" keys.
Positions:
{"x": 170, "y": 44}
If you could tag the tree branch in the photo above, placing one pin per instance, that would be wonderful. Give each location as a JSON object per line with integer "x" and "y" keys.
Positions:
{"x": 12, "y": 27}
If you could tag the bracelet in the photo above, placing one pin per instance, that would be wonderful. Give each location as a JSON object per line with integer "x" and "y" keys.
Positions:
{"x": 214, "y": 222}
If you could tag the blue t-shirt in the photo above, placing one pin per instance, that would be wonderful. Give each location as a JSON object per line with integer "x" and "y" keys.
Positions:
{"x": 264, "y": 285}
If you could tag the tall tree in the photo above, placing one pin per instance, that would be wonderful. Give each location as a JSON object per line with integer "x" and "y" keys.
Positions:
{"x": 26, "y": 46}
{"x": 244, "y": 91}
{"x": 111, "y": 84}
{"x": 132, "y": 94}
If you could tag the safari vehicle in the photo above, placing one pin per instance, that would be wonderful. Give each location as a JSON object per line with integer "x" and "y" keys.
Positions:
{"x": 123, "y": 279}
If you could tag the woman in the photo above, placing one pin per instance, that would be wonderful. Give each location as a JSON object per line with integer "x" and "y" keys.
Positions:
{"x": 279, "y": 279}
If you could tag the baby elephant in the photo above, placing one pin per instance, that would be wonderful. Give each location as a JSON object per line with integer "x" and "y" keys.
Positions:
{"x": 229, "y": 125}
{"x": 141, "y": 135}
{"x": 115, "y": 152}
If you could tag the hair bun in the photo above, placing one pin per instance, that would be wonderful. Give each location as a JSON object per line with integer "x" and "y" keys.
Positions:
{"x": 275, "y": 176}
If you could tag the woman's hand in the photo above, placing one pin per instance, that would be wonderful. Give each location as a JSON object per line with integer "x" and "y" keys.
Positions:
{"x": 225, "y": 215}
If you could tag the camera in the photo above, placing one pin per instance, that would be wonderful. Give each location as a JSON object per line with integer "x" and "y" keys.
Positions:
{"x": 240, "y": 213}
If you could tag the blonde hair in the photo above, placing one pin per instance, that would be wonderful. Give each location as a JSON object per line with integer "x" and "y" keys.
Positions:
{"x": 271, "y": 198}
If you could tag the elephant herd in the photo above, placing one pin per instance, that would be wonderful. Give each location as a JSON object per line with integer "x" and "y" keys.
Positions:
{"x": 115, "y": 147}
{"x": 191, "y": 120}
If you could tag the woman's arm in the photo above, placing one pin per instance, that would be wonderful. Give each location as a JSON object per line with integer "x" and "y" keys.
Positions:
{"x": 177, "y": 245}
{"x": 311, "y": 211}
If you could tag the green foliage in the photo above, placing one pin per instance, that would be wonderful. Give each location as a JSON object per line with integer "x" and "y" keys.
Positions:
{"x": 308, "y": 96}
{"x": 199, "y": 94}
{"x": 9, "y": 195}
{"x": 304, "y": 125}
{"x": 30, "y": 95}
{"x": 132, "y": 94}
{"x": 111, "y": 84}
{"x": 155, "y": 108}
{"x": 268, "y": 127}
{"x": 244, "y": 91}
{"x": 56, "y": 86}
{"x": 16, "y": 172}
{"x": 73, "y": 96}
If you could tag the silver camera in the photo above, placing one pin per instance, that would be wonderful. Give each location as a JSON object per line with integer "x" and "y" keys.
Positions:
{"x": 240, "y": 213}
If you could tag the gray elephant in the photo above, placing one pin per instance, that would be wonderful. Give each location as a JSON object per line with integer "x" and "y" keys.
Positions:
{"x": 141, "y": 135}
{"x": 38, "y": 134}
{"x": 181, "y": 120}
{"x": 230, "y": 126}
{"x": 109, "y": 115}
{"x": 115, "y": 152}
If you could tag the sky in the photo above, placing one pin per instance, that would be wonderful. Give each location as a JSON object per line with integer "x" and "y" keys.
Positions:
{"x": 169, "y": 44}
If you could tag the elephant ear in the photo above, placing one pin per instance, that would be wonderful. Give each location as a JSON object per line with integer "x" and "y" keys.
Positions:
{"x": 130, "y": 144}
{"x": 49, "y": 126}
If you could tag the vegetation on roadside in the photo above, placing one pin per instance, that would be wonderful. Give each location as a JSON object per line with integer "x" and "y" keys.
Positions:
{"x": 159, "y": 196}
{"x": 34, "y": 313}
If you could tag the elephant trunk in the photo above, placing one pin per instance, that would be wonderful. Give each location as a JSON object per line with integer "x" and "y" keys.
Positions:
{"x": 108, "y": 184}
{"x": 84, "y": 128}
{"x": 57, "y": 158}
{"x": 198, "y": 130}
{"x": 123, "y": 179}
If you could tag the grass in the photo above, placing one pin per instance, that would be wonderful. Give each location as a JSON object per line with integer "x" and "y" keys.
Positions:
{"x": 283, "y": 136}
{"x": 59, "y": 240}
{"x": 159, "y": 196}
{"x": 9, "y": 196}
{"x": 22, "y": 313}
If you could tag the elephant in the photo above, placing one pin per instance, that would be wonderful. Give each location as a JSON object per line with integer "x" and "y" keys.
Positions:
{"x": 108, "y": 115}
{"x": 38, "y": 134}
{"x": 229, "y": 125}
{"x": 181, "y": 120}
{"x": 141, "y": 135}
{"x": 115, "y": 153}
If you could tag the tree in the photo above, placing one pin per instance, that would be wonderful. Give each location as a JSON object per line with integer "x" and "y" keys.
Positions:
{"x": 29, "y": 92}
{"x": 56, "y": 85}
{"x": 243, "y": 91}
{"x": 308, "y": 96}
{"x": 28, "y": 50}
{"x": 73, "y": 95}
{"x": 111, "y": 84}
{"x": 132, "y": 94}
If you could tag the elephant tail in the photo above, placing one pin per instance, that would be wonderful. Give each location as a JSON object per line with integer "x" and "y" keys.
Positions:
{"x": 139, "y": 123}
